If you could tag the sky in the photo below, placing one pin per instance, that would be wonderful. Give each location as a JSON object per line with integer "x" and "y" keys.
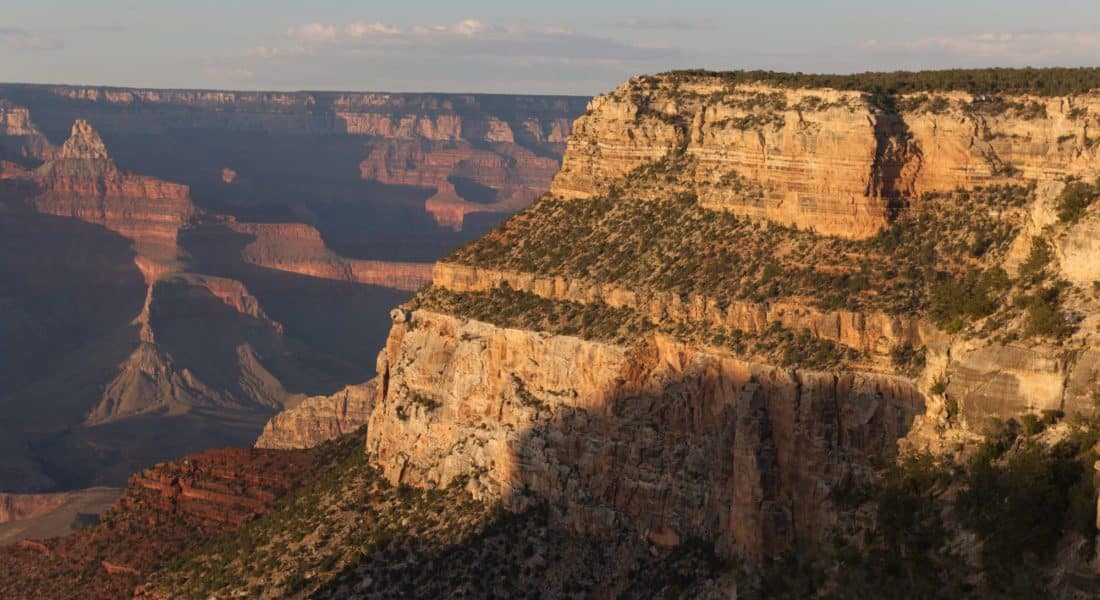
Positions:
{"x": 546, "y": 47}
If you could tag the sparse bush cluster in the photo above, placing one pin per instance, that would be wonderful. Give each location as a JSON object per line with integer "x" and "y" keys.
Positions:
{"x": 1041, "y": 82}
{"x": 678, "y": 246}
{"x": 975, "y": 295}
{"x": 1075, "y": 199}
{"x": 505, "y": 307}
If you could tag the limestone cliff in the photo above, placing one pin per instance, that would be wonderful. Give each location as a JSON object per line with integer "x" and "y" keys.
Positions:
{"x": 676, "y": 441}
{"x": 730, "y": 303}
{"x": 310, "y": 421}
{"x": 834, "y": 161}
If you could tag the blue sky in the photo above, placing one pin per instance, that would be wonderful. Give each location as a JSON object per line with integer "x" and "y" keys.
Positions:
{"x": 552, "y": 46}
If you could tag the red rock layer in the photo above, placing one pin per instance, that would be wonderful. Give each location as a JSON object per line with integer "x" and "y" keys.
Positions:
{"x": 83, "y": 183}
{"x": 167, "y": 511}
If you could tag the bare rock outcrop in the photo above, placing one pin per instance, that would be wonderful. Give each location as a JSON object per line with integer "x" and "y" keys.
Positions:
{"x": 298, "y": 248}
{"x": 317, "y": 419}
{"x": 834, "y": 161}
{"x": 674, "y": 441}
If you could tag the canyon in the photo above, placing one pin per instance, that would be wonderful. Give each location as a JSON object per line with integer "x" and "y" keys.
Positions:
{"x": 180, "y": 266}
{"x": 761, "y": 336}
{"x": 584, "y": 378}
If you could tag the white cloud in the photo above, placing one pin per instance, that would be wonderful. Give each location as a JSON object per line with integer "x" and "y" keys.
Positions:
{"x": 313, "y": 32}
{"x": 464, "y": 55}
{"x": 468, "y": 38}
{"x": 469, "y": 27}
{"x": 1029, "y": 47}
{"x": 659, "y": 23}
{"x": 362, "y": 28}
{"x": 17, "y": 39}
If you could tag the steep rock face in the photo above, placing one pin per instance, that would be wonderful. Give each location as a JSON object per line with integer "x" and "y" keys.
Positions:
{"x": 317, "y": 419}
{"x": 967, "y": 144}
{"x": 1079, "y": 249}
{"x": 675, "y": 441}
{"x": 810, "y": 167}
{"x": 817, "y": 158}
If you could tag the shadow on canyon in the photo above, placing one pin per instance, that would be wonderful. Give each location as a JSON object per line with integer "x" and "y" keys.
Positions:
{"x": 310, "y": 176}
{"x": 661, "y": 482}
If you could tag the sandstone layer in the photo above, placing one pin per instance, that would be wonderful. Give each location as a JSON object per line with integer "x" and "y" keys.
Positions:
{"x": 834, "y": 161}
{"x": 675, "y": 441}
{"x": 298, "y": 248}
{"x": 311, "y": 421}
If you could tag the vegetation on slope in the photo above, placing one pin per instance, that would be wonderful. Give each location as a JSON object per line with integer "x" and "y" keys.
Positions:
{"x": 1053, "y": 81}
{"x": 351, "y": 534}
{"x": 678, "y": 246}
{"x": 1026, "y": 502}
{"x": 1023, "y": 500}
{"x": 597, "y": 321}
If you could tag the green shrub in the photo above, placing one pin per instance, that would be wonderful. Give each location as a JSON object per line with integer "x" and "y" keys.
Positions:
{"x": 974, "y": 296}
{"x": 1022, "y": 506}
{"x": 1037, "y": 260}
{"x": 1042, "y": 82}
{"x": 1075, "y": 198}
{"x": 1044, "y": 313}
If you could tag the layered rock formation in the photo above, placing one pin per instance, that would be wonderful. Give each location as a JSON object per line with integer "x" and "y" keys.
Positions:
{"x": 20, "y": 140}
{"x": 137, "y": 337}
{"x": 506, "y": 146}
{"x": 308, "y": 422}
{"x": 628, "y": 371}
{"x": 298, "y": 248}
{"x": 165, "y": 512}
{"x": 501, "y": 179}
{"x": 834, "y": 161}
{"x": 83, "y": 182}
{"x": 675, "y": 441}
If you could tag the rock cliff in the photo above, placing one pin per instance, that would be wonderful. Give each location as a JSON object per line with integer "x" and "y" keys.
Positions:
{"x": 675, "y": 441}
{"x": 728, "y": 305}
{"x": 311, "y": 421}
{"x": 834, "y": 161}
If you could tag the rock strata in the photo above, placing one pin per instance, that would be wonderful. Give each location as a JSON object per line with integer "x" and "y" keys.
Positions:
{"x": 317, "y": 419}
{"x": 620, "y": 435}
